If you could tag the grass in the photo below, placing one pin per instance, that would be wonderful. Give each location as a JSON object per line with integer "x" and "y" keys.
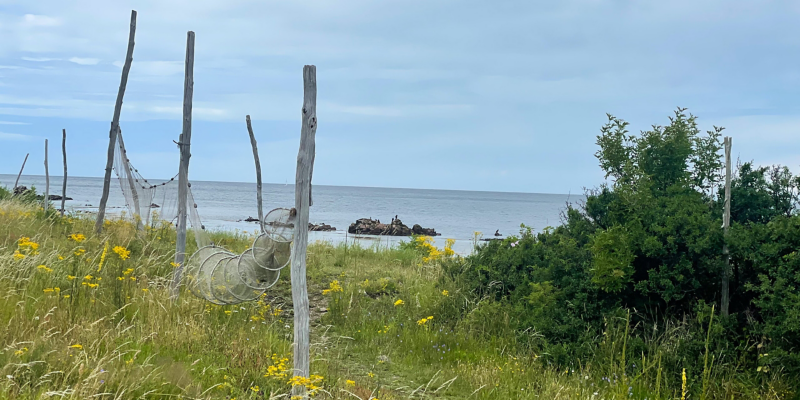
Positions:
{"x": 385, "y": 325}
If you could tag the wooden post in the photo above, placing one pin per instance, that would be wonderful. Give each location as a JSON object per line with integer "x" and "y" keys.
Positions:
{"x": 131, "y": 184}
{"x": 302, "y": 201}
{"x": 46, "y": 180}
{"x": 183, "y": 171}
{"x": 258, "y": 173}
{"x": 726, "y": 224}
{"x": 16, "y": 183}
{"x": 112, "y": 134}
{"x": 64, "y": 156}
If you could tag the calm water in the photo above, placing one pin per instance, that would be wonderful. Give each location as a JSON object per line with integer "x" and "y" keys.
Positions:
{"x": 455, "y": 214}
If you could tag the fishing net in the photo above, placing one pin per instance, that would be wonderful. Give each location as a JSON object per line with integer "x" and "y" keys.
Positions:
{"x": 221, "y": 277}
{"x": 212, "y": 273}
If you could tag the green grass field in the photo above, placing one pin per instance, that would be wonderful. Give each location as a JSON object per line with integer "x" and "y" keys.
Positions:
{"x": 88, "y": 316}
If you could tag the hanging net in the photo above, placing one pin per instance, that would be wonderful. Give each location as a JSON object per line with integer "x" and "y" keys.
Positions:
{"x": 212, "y": 272}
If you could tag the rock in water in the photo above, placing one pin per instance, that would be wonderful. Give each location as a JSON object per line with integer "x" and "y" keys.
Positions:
{"x": 320, "y": 228}
{"x": 251, "y": 219}
{"x": 419, "y": 230}
{"x": 368, "y": 226}
{"x": 58, "y": 197}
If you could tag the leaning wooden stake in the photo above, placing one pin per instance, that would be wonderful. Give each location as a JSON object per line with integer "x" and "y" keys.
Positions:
{"x": 46, "y": 180}
{"x": 112, "y": 135}
{"x": 183, "y": 171}
{"x": 258, "y": 173}
{"x": 64, "y": 156}
{"x": 16, "y": 183}
{"x": 302, "y": 201}
{"x": 726, "y": 224}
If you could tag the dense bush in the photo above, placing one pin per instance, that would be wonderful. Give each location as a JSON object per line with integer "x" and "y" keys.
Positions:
{"x": 650, "y": 240}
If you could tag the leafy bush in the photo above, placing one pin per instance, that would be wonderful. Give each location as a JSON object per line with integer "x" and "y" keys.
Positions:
{"x": 650, "y": 240}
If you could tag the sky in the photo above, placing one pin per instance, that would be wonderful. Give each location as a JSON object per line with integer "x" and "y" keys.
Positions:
{"x": 435, "y": 94}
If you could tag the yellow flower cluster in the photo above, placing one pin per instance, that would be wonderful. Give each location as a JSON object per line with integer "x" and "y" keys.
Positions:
{"x": 103, "y": 257}
{"x": 77, "y": 237}
{"x": 424, "y": 320}
{"x": 333, "y": 287}
{"x": 425, "y": 245}
{"x": 21, "y": 352}
{"x": 26, "y": 248}
{"x": 310, "y": 383}
{"x": 445, "y": 293}
{"x": 44, "y": 268}
{"x": 122, "y": 252}
{"x": 26, "y": 242}
{"x": 79, "y": 252}
{"x": 278, "y": 369}
{"x": 399, "y": 302}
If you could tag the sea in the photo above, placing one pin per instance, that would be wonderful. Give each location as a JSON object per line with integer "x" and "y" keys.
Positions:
{"x": 455, "y": 214}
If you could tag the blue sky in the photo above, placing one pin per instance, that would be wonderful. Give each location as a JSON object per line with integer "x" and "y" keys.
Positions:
{"x": 475, "y": 95}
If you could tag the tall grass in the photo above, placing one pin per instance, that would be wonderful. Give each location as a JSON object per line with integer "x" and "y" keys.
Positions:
{"x": 386, "y": 325}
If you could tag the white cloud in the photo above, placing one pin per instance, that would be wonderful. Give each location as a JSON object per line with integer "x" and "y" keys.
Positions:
{"x": 40, "y": 59}
{"x": 14, "y": 136}
{"x": 13, "y": 123}
{"x": 40, "y": 20}
{"x": 84, "y": 61}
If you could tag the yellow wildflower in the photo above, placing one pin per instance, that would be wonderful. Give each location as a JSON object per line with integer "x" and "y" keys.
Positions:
{"x": 145, "y": 290}
{"x": 88, "y": 277}
{"x": 228, "y": 312}
{"x": 44, "y": 268}
{"x": 76, "y": 346}
{"x": 174, "y": 264}
{"x": 102, "y": 257}
{"x": 350, "y": 383}
{"x": 683, "y": 384}
{"x": 370, "y": 374}
{"x": 71, "y": 277}
{"x": 445, "y": 293}
{"x": 79, "y": 252}
{"x": 66, "y": 296}
{"x": 399, "y": 303}
{"x": 333, "y": 287}
{"x": 122, "y": 252}
{"x": 93, "y": 285}
{"x": 48, "y": 290}
{"x": 60, "y": 258}
{"x": 18, "y": 255}
{"x": 77, "y": 237}
{"x": 255, "y": 388}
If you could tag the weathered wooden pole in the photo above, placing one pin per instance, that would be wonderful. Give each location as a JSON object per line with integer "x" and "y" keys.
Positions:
{"x": 258, "y": 173}
{"x": 46, "y": 180}
{"x": 302, "y": 201}
{"x": 16, "y": 183}
{"x": 112, "y": 134}
{"x": 726, "y": 224}
{"x": 64, "y": 157}
{"x": 183, "y": 171}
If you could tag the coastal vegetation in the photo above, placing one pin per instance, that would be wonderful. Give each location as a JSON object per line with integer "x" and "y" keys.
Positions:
{"x": 620, "y": 301}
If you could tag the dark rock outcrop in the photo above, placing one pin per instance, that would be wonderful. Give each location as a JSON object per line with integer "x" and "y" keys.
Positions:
{"x": 154, "y": 205}
{"x": 251, "y": 219}
{"x": 368, "y": 226}
{"x": 20, "y": 190}
{"x": 321, "y": 228}
{"x": 57, "y": 197}
{"x": 419, "y": 230}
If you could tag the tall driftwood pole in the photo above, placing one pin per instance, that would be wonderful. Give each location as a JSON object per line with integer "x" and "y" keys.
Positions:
{"x": 258, "y": 173}
{"x": 112, "y": 134}
{"x": 64, "y": 157}
{"x": 183, "y": 171}
{"x": 46, "y": 180}
{"x": 726, "y": 224}
{"x": 302, "y": 201}
{"x": 16, "y": 183}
